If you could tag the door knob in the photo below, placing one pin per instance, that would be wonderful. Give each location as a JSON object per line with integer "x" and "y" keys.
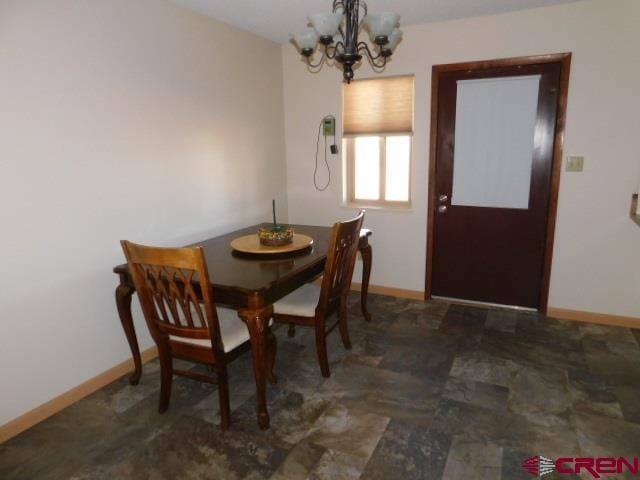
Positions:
{"x": 443, "y": 198}
{"x": 442, "y": 208}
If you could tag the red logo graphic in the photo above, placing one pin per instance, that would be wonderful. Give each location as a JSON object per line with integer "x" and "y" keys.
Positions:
{"x": 539, "y": 466}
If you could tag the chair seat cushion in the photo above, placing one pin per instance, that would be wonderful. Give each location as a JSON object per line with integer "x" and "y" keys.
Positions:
{"x": 301, "y": 302}
{"x": 233, "y": 330}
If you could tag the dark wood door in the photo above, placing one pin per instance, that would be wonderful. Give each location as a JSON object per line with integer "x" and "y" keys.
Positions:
{"x": 491, "y": 250}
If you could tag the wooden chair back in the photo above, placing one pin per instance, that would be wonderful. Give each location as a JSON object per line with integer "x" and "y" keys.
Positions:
{"x": 164, "y": 279}
{"x": 341, "y": 259}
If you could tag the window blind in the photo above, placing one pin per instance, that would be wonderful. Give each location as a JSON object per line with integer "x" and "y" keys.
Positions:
{"x": 378, "y": 106}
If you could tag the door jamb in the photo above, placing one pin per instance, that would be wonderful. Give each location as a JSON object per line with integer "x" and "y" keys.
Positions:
{"x": 565, "y": 66}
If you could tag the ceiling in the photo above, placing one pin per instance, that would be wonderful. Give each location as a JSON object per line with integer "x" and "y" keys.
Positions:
{"x": 277, "y": 19}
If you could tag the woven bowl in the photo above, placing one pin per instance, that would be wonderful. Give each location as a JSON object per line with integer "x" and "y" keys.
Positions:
{"x": 275, "y": 236}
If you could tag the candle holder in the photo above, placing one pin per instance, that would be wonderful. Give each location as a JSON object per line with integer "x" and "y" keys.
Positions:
{"x": 276, "y": 235}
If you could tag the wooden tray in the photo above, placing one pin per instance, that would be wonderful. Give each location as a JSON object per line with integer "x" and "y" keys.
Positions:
{"x": 251, "y": 244}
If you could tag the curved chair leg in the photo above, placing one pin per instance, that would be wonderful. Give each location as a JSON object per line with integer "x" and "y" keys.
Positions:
{"x": 166, "y": 378}
{"x": 344, "y": 329}
{"x": 271, "y": 358}
{"x": 223, "y": 397}
{"x": 292, "y": 330}
{"x": 321, "y": 347}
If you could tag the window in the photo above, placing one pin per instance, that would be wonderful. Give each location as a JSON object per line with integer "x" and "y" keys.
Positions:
{"x": 378, "y": 129}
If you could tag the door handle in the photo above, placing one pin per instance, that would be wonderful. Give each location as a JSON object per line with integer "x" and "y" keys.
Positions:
{"x": 443, "y": 198}
{"x": 442, "y": 208}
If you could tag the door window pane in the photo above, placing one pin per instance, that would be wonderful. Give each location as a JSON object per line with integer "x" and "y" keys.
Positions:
{"x": 494, "y": 140}
{"x": 398, "y": 151}
{"x": 367, "y": 168}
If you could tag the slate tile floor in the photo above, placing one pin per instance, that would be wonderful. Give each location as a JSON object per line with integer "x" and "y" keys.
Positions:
{"x": 429, "y": 391}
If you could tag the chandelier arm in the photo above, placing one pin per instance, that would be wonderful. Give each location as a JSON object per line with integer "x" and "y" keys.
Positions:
{"x": 319, "y": 64}
{"x": 379, "y": 68}
{"x": 331, "y": 54}
{"x": 376, "y": 68}
{"x": 378, "y": 63}
{"x": 364, "y": 47}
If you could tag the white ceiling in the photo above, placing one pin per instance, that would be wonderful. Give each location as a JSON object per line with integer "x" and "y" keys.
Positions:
{"x": 276, "y": 19}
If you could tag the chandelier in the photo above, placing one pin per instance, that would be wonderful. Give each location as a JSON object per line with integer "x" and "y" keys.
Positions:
{"x": 345, "y": 22}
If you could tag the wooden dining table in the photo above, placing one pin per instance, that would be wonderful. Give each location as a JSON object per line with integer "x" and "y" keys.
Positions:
{"x": 251, "y": 284}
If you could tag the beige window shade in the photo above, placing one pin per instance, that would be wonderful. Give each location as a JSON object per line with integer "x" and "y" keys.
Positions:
{"x": 378, "y": 106}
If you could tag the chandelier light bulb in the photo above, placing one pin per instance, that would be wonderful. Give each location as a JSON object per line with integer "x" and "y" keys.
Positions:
{"x": 381, "y": 25}
{"x": 326, "y": 24}
{"x": 306, "y": 40}
{"x": 394, "y": 39}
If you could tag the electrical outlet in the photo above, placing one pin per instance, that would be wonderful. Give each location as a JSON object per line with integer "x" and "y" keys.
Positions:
{"x": 575, "y": 164}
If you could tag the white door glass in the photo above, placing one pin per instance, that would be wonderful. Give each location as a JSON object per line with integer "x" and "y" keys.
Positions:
{"x": 398, "y": 151}
{"x": 367, "y": 168}
{"x": 494, "y": 140}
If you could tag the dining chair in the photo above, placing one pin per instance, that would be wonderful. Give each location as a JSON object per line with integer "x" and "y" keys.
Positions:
{"x": 311, "y": 305}
{"x": 184, "y": 325}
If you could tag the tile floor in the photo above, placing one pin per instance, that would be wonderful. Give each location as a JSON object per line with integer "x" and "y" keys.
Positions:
{"x": 429, "y": 391}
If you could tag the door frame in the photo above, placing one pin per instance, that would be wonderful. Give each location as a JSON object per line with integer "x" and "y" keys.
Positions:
{"x": 565, "y": 66}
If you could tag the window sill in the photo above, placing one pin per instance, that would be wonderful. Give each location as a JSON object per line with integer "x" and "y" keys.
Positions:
{"x": 378, "y": 208}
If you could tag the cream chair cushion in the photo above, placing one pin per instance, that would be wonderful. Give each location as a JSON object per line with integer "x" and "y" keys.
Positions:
{"x": 233, "y": 330}
{"x": 301, "y": 302}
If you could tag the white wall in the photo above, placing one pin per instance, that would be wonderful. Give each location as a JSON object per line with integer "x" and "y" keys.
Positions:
{"x": 596, "y": 263}
{"x": 118, "y": 119}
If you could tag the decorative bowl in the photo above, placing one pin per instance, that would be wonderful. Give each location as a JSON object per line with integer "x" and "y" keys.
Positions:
{"x": 276, "y": 236}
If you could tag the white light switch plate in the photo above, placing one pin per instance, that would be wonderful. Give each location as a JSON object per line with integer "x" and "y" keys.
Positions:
{"x": 575, "y": 164}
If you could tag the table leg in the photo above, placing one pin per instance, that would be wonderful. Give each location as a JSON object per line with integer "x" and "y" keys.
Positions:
{"x": 123, "y": 301}
{"x": 367, "y": 258}
{"x": 271, "y": 357}
{"x": 257, "y": 321}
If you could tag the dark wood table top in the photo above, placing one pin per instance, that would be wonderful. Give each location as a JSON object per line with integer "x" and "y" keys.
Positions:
{"x": 241, "y": 279}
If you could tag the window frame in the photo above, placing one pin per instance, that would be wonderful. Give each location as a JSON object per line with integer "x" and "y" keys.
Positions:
{"x": 350, "y": 200}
